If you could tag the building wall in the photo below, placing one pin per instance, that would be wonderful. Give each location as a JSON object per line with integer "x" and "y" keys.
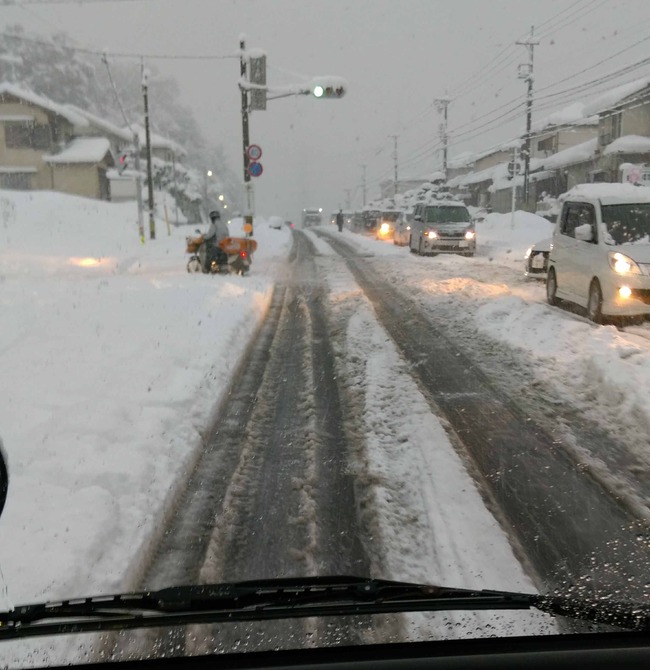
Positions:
{"x": 26, "y": 156}
{"x": 636, "y": 121}
{"x": 578, "y": 174}
{"x": 80, "y": 180}
{"x": 570, "y": 137}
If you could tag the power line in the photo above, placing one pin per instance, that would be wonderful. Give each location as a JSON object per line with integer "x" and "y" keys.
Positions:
{"x": 481, "y": 73}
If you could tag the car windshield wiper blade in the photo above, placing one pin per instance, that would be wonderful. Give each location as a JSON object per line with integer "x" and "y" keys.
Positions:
{"x": 292, "y": 598}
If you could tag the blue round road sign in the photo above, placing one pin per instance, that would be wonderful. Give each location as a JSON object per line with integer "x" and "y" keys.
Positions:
{"x": 255, "y": 169}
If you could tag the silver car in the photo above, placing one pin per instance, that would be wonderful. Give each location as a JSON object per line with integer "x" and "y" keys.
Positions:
{"x": 442, "y": 227}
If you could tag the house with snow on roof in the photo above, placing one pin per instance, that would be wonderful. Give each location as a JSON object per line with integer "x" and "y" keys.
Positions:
{"x": 39, "y": 149}
{"x": 623, "y": 151}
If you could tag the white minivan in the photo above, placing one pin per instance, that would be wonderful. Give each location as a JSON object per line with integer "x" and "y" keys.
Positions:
{"x": 600, "y": 251}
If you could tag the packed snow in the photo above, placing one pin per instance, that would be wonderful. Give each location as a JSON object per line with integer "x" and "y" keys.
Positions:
{"x": 112, "y": 358}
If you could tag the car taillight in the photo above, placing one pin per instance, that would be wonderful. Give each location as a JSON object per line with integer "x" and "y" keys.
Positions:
{"x": 243, "y": 254}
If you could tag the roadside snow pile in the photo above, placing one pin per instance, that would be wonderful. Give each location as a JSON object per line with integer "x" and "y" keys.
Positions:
{"x": 613, "y": 366}
{"x": 504, "y": 243}
{"x": 112, "y": 358}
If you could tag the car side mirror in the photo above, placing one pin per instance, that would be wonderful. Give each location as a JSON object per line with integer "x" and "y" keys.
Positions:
{"x": 4, "y": 477}
{"x": 584, "y": 233}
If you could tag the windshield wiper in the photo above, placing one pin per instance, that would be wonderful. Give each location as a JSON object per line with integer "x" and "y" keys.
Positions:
{"x": 292, "y": 598}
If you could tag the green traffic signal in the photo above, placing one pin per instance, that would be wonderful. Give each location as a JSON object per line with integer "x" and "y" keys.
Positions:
{"x": 328, "y": 87}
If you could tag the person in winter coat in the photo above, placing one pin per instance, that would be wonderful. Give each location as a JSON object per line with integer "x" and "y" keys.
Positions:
{"x": 339, "y": 220}
{"x": 216, "y": 232}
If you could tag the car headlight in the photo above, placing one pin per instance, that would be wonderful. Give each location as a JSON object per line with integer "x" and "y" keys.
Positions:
{"x": 408, "y": 227}
{"x": 470, "y": 235}
{"x": 384, "y": 228}
{"x": 432, "y": 234}
{"x": 529, "y": 251}
{"x": 623, "y": 264}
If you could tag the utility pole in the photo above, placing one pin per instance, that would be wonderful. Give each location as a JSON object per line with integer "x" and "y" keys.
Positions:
{"x": 363, "y": 184}
{"x": 395, "y": 164}
{"x": 175, "y": 186}
{"x": 526, "y": 73}
{"x": 248, "y": 186}
{"x": 348, "y": 199}
{"x": 138, "y": 185}
{"x": 515, "y": 174}
{"x": 136, "y": 147}
{"x": 145, "y": 93}
{"x": 442, "y": 104}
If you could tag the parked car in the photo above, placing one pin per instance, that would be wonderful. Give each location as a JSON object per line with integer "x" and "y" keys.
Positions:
{"x": 442, "y": 227}
{"x": 600, "y": 254}
{"x": 536, "y": 259}
{"x": 402, "y": 232}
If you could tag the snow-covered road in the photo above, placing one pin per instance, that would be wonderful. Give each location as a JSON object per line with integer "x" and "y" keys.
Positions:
{"x": 117, "y": 364}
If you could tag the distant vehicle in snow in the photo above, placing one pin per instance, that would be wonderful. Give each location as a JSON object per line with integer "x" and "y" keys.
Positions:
{"x": 442, "y": 227}
{"x": 403, "y": 225}
{"x": 312, "y": 216}
{"x": 536, "y": 259}
{"x": 276, "y": 222}
{"x": 386, "y": 224}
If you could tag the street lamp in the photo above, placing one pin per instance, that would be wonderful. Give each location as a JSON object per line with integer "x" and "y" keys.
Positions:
{"x": 209, "y": 173}
{"x": 221, "y": 198}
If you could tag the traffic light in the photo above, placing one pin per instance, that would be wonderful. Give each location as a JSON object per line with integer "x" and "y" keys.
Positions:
{"x": 328, "y": 87}
{"x": 124, "y": 161}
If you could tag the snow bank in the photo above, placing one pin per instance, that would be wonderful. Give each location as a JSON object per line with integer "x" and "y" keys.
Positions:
{"x": 505, "y": 243}
{"x": 112, "y": 358}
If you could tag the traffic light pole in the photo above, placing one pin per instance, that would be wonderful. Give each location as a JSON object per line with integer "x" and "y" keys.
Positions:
{"x": 248, "y": 186}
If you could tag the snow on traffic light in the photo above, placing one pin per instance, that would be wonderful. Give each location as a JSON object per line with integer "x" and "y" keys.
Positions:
{"x": 328, "y": 87}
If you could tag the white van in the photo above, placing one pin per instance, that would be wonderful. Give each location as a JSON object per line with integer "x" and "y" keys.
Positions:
{"x": 600, "y": 252}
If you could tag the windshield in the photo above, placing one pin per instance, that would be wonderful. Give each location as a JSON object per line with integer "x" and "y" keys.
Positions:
{"x": 303, "y": 389}
{"x": 627, "y": 224}
{"x": 446, "y": 215}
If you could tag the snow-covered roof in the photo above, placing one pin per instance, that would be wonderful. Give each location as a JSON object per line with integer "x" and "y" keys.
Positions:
{"x": 629, "y": 144}
{"x": 40, "y": 101}
{"x": 611, "y": 98}
{"x": 578, "y": 153}
{"x": 476, "y": 177}
{"x": 102, "y": 124}
{"x": 82, "y": 150}
{"x": 571, "y": 115}
{"x": 464, "y": 159}
{"x": 610, "y": 194}
{"x": 157, "y": 141}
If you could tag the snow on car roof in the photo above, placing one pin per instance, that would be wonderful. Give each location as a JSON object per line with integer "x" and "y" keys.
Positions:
{"x": 609, "y": 194}
{"x": 444, "y": 203}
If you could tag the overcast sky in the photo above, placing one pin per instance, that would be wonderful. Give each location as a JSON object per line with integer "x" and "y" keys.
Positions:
{"x": 398, "y": 56}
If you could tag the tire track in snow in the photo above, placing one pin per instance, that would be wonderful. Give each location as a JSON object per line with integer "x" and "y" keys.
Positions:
{"x": 572, "y": 529}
